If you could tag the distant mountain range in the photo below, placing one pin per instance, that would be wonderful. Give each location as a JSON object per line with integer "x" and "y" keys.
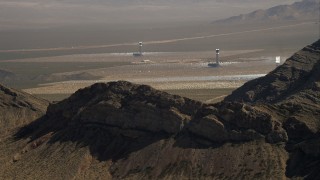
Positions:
{"x": 303, "y": 10}
{"x": 30, "y": 14}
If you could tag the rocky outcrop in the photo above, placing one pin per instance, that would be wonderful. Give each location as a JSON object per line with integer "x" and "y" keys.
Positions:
{"x": 142, "y": 109}
{"x": 297, "y": 77}
{"x": 138, "y": 132}
{"x": 121, "y": 130}
{"x": 127, "y": 106}
{"x": 292, "y": 90}
{"x": 236, "y": 122}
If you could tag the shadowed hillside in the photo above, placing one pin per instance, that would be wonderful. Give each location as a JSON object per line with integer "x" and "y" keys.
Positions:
{"x": 122, "y": 130}
{"x": 298, "y": 77}
{"x": 135, "y": 131}
{"x": 18, "y": 108}
{"x": 293, "y": 91}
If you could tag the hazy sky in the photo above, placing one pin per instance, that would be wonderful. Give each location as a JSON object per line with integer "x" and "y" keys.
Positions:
{"x": 49, "y": 13}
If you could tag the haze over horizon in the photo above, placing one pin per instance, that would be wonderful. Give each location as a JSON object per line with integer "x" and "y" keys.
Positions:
{"x": 33, "y": 14}
{"x": 97, "y": 26}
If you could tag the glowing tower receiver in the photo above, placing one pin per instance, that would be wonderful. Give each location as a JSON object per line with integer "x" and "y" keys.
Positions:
{"x": 140, "y": 48}
{"x": 217, "y": 56}
{"x": 278, "y": 60}
{"x": 217, "y": 64}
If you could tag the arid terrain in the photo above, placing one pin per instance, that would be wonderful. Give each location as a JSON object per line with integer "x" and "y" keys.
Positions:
{"x": 54, "y": 78}
{"x": 266, "y": 129}
{"x": 79, "y": 99}
{"x": 165, "y": 71}
{"x": 175, "y": 58}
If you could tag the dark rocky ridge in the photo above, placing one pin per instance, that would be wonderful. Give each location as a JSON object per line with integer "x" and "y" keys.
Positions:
{"x": 122, "y": 123}
{"x": 299, "y": 74}
{"x": 122, "y": 105}
{"x": 292, "y": 91}
{"x": 134, "y": 107}
{"x": 123, "y": 130}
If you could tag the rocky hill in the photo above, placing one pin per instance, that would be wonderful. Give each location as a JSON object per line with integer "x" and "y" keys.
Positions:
{"x": 18, "y": 108}
{"x": 121, "y": 130}
{"x": 304, "y": 10}
{"x": 299, "y": 74}
{"x": 293, "y": 92}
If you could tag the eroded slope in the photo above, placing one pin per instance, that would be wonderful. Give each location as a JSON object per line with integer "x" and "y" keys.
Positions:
{"x": 122, "y": 130}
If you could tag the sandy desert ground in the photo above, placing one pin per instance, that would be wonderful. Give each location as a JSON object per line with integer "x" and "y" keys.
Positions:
{"x": 177, "y": 64}
{"x": 178, "y": 73}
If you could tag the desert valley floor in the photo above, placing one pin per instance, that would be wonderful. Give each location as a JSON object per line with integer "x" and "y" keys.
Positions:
{"x": 178, "y": 73}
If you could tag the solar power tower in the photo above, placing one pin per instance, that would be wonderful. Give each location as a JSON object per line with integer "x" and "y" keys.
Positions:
{"x": 217, "y": 56}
